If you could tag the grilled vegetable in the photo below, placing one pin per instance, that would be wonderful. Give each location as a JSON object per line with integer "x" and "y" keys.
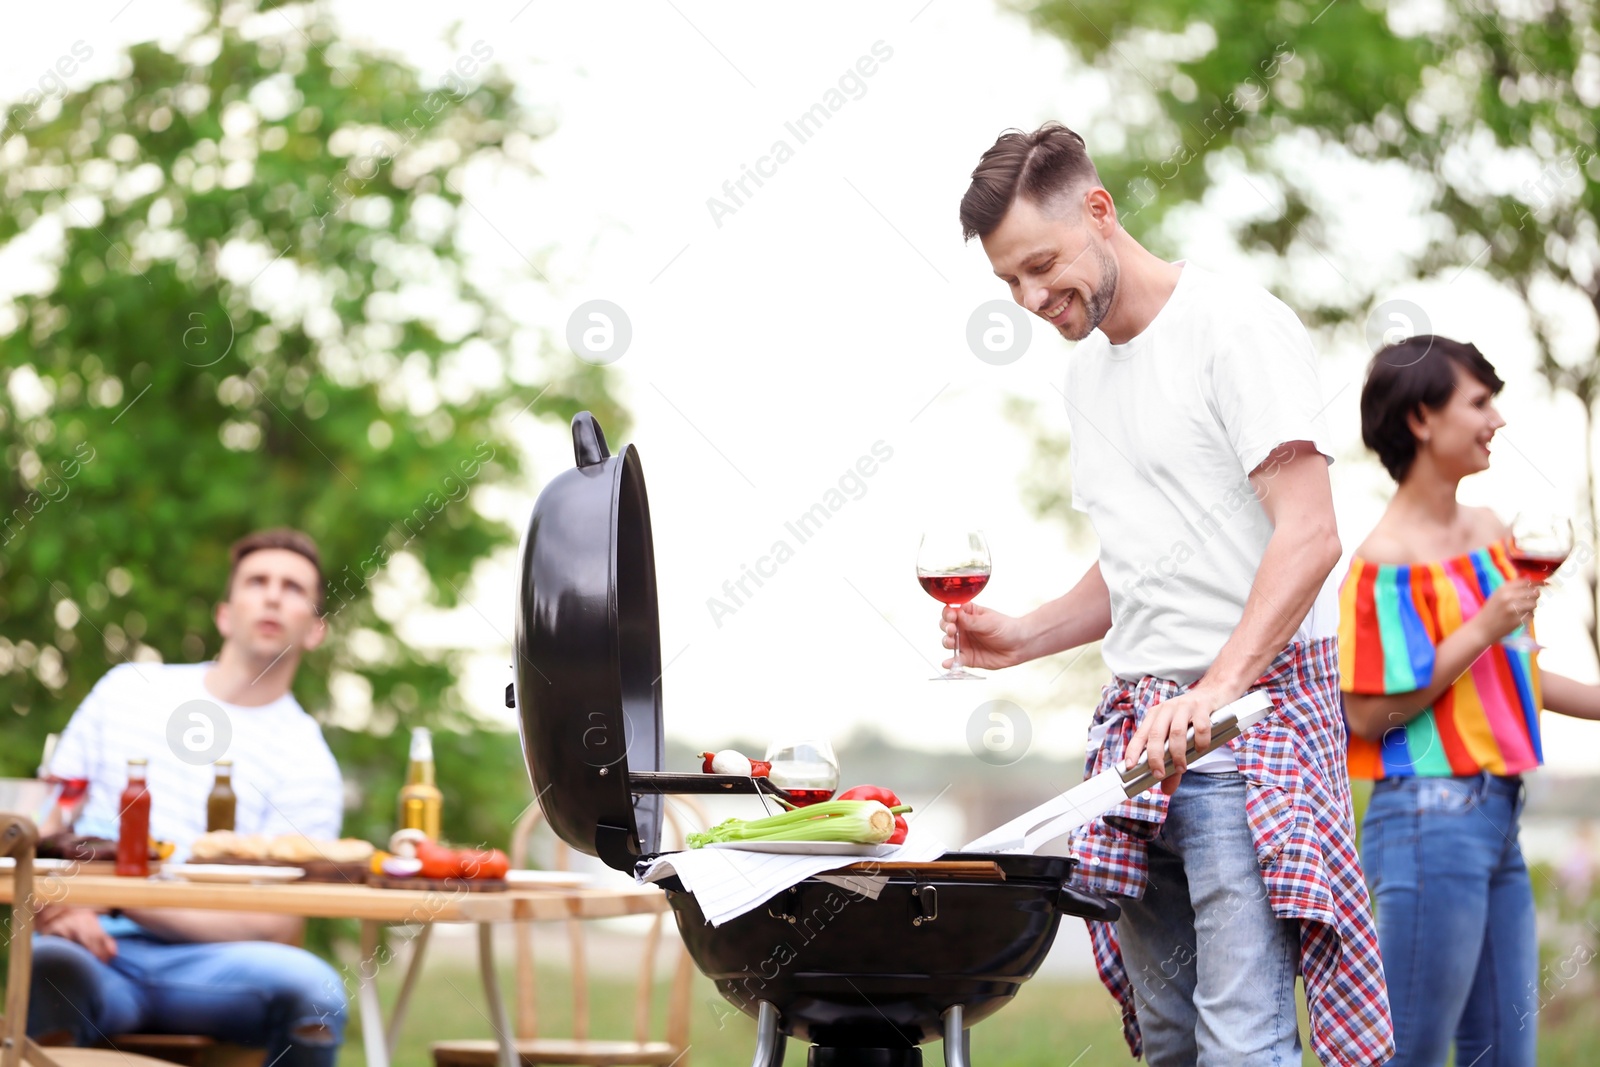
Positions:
{"x": 885, "y": 797}
{"x": 862, "y": 822}
{"x": 482, "y": 863}
{"x": 437, "y": 861}
{"x": 728, "y": 761}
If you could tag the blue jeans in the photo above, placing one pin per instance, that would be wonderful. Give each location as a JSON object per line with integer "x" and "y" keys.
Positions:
{"x": 1213, "y": 968}
{"x": 253, "y": 993}
{"x": 1455, "y": 918}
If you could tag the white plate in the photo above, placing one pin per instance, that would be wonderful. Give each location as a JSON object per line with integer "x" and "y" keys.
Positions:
{"x": 233, "y": 872}
{"x": 40, "y": 863}
{"x": 547, "y": 879}
{"x": 807, "y": 848}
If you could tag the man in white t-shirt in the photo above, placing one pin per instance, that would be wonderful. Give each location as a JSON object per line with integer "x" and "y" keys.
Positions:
{"x": 1200, "y": 455}
{"x": 230, "y": 975}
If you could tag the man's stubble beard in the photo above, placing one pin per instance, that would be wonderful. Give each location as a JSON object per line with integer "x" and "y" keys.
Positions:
{"x": 1099, "y": 305}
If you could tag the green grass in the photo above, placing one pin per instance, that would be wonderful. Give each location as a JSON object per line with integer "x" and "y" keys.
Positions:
{"x": 1047, "y": 1020}
{"x": 1051, "y": 1023}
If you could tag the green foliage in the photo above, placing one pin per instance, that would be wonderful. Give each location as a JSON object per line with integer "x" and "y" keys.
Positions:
{"x": 253, "y": 308}
{"x": 1046, "y": 482}
{"x": 1486, "y": 110}
{"x": 1450, "y": 92}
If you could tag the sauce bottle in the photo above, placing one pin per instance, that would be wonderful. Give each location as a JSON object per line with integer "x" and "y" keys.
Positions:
{"x": 420, "y": 800}
{"x": 221, "y": 803}
{"x": 133, "y": 839}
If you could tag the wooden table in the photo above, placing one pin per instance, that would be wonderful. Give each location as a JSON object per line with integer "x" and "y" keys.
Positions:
{"x": 374, "y": 907}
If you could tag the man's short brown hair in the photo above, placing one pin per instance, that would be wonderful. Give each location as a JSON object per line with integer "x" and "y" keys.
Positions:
{"x": 1041, "y": 166}
{"x": 278, "y": 537}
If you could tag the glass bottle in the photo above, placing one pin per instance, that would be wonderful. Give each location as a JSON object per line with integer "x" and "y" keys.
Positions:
{"x": 221, "y": 803}
{"x": 133, "y": 838}
{"x": 420, "y": 800}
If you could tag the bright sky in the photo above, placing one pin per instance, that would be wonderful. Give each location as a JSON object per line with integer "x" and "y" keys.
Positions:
{"x": 776, "y": 345}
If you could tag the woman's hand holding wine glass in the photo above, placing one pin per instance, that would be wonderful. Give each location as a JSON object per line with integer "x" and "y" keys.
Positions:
{"x": 1507, "y": 608}
{"x": 1540, "y": 544}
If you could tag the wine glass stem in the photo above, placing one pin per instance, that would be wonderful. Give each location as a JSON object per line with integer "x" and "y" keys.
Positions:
{"x": 956, "y": 667}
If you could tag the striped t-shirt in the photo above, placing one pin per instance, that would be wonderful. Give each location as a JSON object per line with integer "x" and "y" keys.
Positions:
{"x": 285, "y": 778}
{"x": 1391, "y": 617}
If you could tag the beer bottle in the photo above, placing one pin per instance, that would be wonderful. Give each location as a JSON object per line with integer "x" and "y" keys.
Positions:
{"x": 420, "y": 799}
{"x": 221, "y": 803}
{"x": 133, "y": 837}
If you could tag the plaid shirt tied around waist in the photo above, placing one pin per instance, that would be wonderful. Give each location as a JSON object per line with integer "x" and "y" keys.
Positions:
{"x": 1300, "y": 815}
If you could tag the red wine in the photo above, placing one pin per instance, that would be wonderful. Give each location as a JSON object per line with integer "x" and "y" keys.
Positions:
{"x": 802, "y": 797}
{"x": 956, "y": 588}
{"x": 1537, "y": 569}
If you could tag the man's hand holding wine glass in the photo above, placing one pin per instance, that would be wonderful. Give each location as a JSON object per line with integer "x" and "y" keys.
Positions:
{"x": 989, "y": 639}
{"x": 953, "y": 566}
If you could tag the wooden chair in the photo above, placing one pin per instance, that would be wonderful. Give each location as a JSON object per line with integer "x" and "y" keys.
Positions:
{"x": 581, "y": 1049}
{"x": 189, "y": 1050}
{"x": 18, "y": 836}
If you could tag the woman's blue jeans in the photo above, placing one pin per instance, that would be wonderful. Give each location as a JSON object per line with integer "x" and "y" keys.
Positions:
{"x": 253, "y": 993}
{"x": 1455, "y": 918}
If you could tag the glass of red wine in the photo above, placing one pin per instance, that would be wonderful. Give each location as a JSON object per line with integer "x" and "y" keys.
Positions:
{"x": 806, "y": 770}
{"x": 1540, "y": 544}
{"x": 953, "y": 567}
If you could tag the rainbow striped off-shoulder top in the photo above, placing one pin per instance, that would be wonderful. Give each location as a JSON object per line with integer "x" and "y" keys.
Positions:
{"x": 1390, "y": 618}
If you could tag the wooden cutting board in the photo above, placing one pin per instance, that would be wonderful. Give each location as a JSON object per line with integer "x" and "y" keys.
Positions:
{"x": 965, "y": 870}
{"x": 316, "y": 870}
{"x": 439, "y": 885}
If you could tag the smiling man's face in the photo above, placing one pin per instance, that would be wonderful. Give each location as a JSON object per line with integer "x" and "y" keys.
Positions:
{"x": 272, "y": 605}
{"x": 1058, "y": 264}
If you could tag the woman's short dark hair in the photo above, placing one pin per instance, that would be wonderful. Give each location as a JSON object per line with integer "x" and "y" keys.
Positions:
{"x": 1403, "y": 378}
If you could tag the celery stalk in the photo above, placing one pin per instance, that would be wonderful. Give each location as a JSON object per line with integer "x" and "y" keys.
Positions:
{"x": 863, "y": 822}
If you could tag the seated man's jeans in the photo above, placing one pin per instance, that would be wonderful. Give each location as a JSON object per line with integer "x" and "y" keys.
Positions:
{"x": 253, "y": 993}
{"x": 1455, "y": 919}
{"x": 1213, "y": 968}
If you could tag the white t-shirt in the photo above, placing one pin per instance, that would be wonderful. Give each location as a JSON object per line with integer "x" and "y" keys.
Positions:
{"x": 1165, "y": 432}
{"x": 284, "y": 777}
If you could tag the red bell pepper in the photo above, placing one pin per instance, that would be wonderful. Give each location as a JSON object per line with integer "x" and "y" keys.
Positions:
{"x": 885, "y": 797}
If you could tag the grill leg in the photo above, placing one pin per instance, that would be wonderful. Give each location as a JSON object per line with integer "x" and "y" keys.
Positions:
{"x": 957, "y": 1040}
{"x": 769, "y": 1039}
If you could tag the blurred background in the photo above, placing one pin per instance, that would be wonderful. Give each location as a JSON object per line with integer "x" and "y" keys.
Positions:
{"x": 311, "y": 263}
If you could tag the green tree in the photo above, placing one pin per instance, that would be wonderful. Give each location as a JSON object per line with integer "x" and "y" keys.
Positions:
{"x": 252, "y": 307}
{"x": 1482, "y": 111}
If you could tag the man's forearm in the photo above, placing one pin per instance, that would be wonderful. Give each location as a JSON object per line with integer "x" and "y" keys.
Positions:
{"x": 1297, "y": 561}
{"x": 1077, "y": 617}
{"x": 194, "y": 924}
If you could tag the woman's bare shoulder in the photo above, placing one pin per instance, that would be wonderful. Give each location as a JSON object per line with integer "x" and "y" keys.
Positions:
{"x": 1490, "y": 527}
{"x": 1384, "y": 546}
{"x": 1387, "y": 542}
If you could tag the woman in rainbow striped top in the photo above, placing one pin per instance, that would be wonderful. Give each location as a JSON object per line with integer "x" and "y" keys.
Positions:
{"x": 1444, "y": 718}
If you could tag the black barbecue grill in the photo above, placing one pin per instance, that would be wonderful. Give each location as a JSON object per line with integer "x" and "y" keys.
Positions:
{"x": 945, "y": 944}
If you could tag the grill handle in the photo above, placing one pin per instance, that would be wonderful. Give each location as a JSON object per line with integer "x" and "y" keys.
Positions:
{"x": 1072, "y": 901}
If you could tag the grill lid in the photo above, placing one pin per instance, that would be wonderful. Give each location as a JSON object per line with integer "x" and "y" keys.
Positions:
{"x": 588, "y": 652}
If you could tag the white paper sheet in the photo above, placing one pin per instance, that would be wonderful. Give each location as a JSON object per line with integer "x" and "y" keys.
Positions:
{"x": 727, "y": 882}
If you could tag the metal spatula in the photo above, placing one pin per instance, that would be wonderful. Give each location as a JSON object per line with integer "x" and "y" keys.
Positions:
{"x": 1100, "y": 794}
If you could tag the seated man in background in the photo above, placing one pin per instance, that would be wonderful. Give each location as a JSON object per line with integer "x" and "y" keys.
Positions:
{"x": 234, "y": 976}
